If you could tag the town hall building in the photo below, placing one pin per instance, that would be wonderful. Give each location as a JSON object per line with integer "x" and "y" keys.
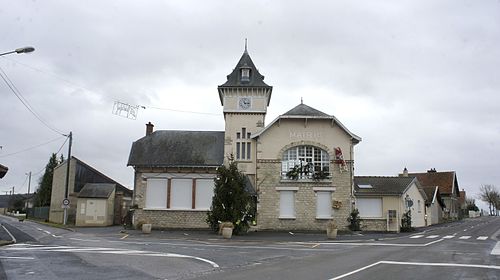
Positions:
{"x": 299, "y": 166}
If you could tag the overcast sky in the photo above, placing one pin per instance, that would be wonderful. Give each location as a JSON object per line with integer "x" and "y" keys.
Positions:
{"x": 417, "y": 80}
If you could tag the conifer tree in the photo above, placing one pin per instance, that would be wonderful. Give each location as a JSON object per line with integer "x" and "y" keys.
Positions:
{"x": 231, "y": 202}
{"x": 45, "y": 184}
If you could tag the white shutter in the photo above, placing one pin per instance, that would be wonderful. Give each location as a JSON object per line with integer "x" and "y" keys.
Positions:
{"x": 156, "y": 193}
{"x": 181, "y": 193}
{"x": 287, "y": 204}
{"x": 369, "y": 207}
{"x": 323, "y": 205}
{"x": 204, "y": 194}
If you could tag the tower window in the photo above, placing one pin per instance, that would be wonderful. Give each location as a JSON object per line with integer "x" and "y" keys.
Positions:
{"x": 243, "y": 148}
{"x": 245, "y": 75}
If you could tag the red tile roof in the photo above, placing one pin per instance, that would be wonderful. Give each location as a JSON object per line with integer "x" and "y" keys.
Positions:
{"x": 446, "y": 181}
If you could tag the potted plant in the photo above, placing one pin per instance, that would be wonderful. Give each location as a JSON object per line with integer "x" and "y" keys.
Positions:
{"x": 226, "y": 229}
{"x": 331, "y": 230}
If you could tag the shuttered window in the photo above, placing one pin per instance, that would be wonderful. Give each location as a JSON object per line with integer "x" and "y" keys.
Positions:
{"x": 204, "y": 194}
{"x": 181, "y": 194}
{"x": 287, "y": 204}
{"x": 323, "y": 205}
{"x": 369, "y": 207}
{"x": 156, "y": 193}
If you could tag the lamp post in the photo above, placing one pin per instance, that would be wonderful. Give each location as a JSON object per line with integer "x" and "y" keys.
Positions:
{"x": 20, "y": 50}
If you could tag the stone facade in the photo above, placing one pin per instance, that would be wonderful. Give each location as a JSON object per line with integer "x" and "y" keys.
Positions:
{"x": 269, "y": 179}
{"x": 168, "y": 219}
{"x": 375, "y": 225}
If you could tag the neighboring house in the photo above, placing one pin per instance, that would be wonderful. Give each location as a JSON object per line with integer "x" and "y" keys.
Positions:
{"x": 295, "y": 164}
{"x": 174, "y": 176}
{"x": 16, "y": 201}
{"x": 80, "y": 174}
{"x": 382, "y": 201}
{"x": 435, "y": 205}
{"x": 448, "y": 187}
{"x": 4, "y": 203}
{"x": 95, "y": 205}
{"x": 3, "y": 170}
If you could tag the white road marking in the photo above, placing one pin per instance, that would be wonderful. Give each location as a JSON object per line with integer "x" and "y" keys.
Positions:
{"x": 464, "y": 237}
{"x": 354, "y": 271}
{"x": 482, "y": 238}
{"x": 416, "y": 236}
{"x": 87, "y": 240}
{"x": 377, "y": 244}
{"x": 103, "y": 250}
{"x": 417, "y": 264}
{"x": 17, "y": 258}
{"x": 448, "y": 236}
{"x": 432, "y": 236}
{"x": 496, "y": 250}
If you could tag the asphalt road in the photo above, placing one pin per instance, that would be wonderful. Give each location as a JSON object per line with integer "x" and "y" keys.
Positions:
{"x": 460, "y": 250}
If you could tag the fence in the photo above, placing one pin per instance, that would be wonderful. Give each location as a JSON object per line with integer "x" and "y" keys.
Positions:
{"x": 41, "y": 213}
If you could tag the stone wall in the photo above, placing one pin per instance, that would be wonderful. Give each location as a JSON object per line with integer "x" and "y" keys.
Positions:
{"x": 179, "y": 219}
{"x": 269, "y": 178}
{"x": 374, "y": 224}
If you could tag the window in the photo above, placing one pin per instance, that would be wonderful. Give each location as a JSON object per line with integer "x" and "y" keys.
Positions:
{"x": 419, "y": 207}
{"x": 181, "y": 194}
{"x": 245, "y": 75}
{"x": 323, "y": 205}
{"x": 369, "y": 207}
{"x": 287, "y": 205}
{"x": 305, "y": 162}
{"x": 156, "y": 193}
{"x": 243, "y": 148}
{"x": 204, "y": 193}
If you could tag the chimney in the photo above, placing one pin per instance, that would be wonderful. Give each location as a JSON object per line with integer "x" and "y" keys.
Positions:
{"x": 432, "y": 170}
{"x": 149, "y": 128}
{"x": 405, "y": 172}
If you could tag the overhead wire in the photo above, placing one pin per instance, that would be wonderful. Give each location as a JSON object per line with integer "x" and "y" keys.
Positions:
{"x": 111, "y": 98}
{"x": 33, "y": 147}
{"x": 24, "y": 101}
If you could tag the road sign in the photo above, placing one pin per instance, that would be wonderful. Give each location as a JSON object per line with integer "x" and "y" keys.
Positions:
{"x": 65, "y": 202}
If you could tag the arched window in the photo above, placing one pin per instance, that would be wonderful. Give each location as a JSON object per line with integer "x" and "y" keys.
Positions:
{"x": 305, "y": 162}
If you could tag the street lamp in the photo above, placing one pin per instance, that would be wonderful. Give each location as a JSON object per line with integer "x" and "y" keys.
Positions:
{"x": 20, "y": 50}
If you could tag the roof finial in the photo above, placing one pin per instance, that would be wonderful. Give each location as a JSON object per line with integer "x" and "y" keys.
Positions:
{"x": 246, "y": 45}
{"x": 301, "y": 100}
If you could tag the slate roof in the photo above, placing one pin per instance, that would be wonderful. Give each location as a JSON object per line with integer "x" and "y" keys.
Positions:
{"x": 382, "y": 185}
{"x": 446, "y": 181}
{"x": 178, "y": 148}
{"x": 256, "y": 79}
{"x": 88, "y": 174}
{"x": 303, "y": 111}
{"x": 97, "y": 190}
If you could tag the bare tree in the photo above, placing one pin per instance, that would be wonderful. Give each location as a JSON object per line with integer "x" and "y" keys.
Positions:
{"x": 490, "y": 195}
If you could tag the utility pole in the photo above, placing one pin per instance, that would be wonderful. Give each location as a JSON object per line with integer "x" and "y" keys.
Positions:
{"x": 65, "y": 219}
{"x": 27, "y": 198}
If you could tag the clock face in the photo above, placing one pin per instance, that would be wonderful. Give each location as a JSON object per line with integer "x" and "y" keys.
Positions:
{"x": 245, "y": 103}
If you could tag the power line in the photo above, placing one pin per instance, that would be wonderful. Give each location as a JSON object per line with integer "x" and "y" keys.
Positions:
{"x": 111, "y": 98}
{"x": 31, "y": 148}
{"x": 24, "y": 101}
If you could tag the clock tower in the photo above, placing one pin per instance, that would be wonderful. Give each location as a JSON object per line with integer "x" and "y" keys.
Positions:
{"x": 244, "y": 97}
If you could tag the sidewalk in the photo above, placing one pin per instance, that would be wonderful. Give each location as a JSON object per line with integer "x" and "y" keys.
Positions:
{"x": 256, "y": 236}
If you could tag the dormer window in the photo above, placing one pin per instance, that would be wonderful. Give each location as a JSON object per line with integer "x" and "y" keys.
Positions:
{"x": 245, "y": 75}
